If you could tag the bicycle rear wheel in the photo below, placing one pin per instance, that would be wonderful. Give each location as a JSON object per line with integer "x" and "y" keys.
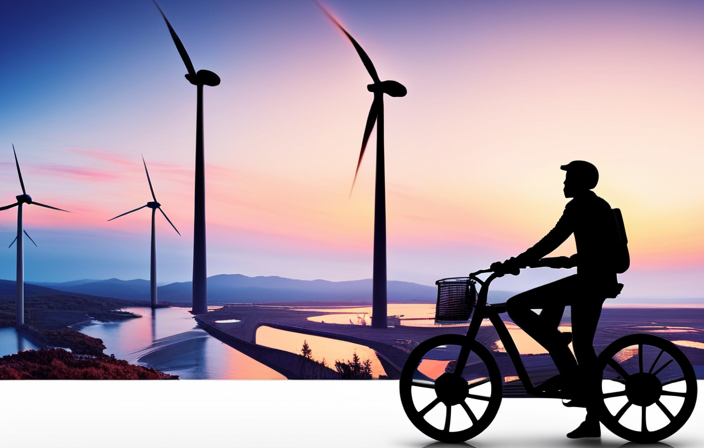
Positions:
{"x": 648, "y": 388}
{"x": 447, "y": 406}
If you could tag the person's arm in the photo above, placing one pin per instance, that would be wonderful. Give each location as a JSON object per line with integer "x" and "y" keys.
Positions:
{"x": 562, "y": 230}
{"x": 555, "y": 237}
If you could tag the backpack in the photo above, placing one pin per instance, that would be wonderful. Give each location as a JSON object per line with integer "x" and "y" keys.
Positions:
{"x": 622, "y": 259}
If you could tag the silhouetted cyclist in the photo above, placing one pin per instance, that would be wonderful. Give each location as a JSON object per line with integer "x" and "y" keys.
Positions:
{"x": 592, "y": 222}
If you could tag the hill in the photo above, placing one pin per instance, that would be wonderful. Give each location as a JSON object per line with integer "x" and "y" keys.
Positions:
{"x": 236, "y": 288}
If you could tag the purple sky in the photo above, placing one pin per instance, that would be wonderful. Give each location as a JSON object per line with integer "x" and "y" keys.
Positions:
{"x": 500, "y": 95}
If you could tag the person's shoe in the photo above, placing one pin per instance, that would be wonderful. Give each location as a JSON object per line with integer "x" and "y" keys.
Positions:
{"x": 577, "y": 402}
{"x": 586, "y": 429}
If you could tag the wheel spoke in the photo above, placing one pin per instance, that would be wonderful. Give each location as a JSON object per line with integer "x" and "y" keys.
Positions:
{"x": 657, "y": 358}
{"x": 617, "y": 367}
{"x": 478, "y": 397}
{"x": 640, "y": 357}
{"x": 614, "y": 394}
{"x": 623, "y": 410}
{"x": 644, "y": 426}
{"x": 448, "y": 414}
{"x": 429, "y": 407}
{"x": 665, "y": 410}
{"x": 674, "y": 394}
{"x": 423, "y": 383}
{"x": 469, "y": 413}
{"x": 479, "y": 383}
{"x": 661, "y": 368}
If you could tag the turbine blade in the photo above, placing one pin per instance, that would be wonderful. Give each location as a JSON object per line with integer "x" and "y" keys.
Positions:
{"x": 360, "y": 51}
{"x": 150, "y": 181}
{"x": 10, "y": 206}
{"x": 49, "y": 206}
{"x": 167, "y": 218}
{"x": 179, "y": 45}
{"x": 127, "y": 213}
{"x": 30, "y": 238}
{"x": 19, "y": 173}
{"x": 371, "y": 119}
{"x": 13, "y": 242}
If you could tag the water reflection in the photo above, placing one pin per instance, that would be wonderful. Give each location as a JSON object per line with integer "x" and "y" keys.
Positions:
{"x": 167, "y": 339}
{"x": 423, "y": 315}
{"x": 407, "y": 314}
{"x": 11, "y": 342}
{"x": 322, "y": 348}
{"x": 691, "y": 344}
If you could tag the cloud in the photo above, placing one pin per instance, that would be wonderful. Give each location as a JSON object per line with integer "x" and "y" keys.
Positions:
{"x": 75, "y": 172}
{"x": 104, "y": 155}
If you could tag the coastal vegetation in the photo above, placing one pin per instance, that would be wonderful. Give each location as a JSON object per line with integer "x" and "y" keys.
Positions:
{"x": 67, "y": 353}
{"x": 57, "y": 311}
{"x": 58, "y": 364}
{"x": 354, "y": 369}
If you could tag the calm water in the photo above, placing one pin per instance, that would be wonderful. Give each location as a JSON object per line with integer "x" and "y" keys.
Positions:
{"x": 421, "y": 315}
{"x": 11, "y": 342}
{"x": 167, "y": 339}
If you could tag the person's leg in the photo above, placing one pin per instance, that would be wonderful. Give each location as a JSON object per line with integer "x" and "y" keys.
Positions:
{"x": 551, "y": 299}
{"x": 585, "y": 319}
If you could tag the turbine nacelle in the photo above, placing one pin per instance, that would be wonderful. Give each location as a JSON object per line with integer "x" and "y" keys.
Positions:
{"x": 153, "y": 205}
{"x": 391, "y": 88}
{"x": 24, "y": 199}
{"x": 204, "y": 78}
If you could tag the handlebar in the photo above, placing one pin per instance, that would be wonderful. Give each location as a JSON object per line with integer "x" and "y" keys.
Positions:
{"x": 546, "y": 262}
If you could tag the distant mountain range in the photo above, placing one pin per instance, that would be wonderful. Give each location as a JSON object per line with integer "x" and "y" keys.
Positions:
{"x": 236, "y": 288}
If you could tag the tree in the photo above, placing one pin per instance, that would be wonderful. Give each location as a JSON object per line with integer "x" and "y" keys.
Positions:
{"x": 355, "y": 369}
{"x": 306, "y": 351}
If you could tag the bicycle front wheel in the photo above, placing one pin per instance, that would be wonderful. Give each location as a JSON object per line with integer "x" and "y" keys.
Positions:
{"x": 447, "y": 406}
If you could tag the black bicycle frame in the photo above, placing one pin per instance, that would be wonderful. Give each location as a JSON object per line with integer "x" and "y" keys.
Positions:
{"x": 486, "y": 311}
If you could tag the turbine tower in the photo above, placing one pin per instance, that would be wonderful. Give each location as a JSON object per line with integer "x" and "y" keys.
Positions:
{"x": 376, "y": 115}
{"x": 154, "y": 206}
{"x": 199, "y": 79}
{"x": 22, "y": 199}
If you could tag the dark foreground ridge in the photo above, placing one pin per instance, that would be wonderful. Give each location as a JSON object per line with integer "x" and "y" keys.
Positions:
{"x": 58, "y": 364}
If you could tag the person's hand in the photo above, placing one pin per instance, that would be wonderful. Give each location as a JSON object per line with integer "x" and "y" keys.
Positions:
{"x": 556, "y": 262}
{"x": 497, "y": 267}
{"x": 510, "y": 266}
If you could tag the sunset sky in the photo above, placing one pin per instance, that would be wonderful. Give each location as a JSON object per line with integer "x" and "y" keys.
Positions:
{"x": 500, "y": 94}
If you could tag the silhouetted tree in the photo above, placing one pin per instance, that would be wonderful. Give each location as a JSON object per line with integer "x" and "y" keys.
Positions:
{"x": 306, "y": 351}
{"x": 355, "y": 369}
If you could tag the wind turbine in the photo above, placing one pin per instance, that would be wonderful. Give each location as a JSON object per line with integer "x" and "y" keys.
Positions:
{"x": 199, "y": 79}
{"x": 154, "y": 206}
{"x": 24, "y": 198}
{"x": 376, "y": 115}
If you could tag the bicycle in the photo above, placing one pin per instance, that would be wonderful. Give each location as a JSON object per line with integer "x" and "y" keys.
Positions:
{"x": 637, "y": 370}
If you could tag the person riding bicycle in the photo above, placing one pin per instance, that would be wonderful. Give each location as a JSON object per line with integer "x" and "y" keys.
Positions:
{"x": 591, "y": 220}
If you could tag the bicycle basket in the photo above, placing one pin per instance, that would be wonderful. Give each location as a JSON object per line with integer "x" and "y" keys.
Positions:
{"x": 456, "y": 299}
